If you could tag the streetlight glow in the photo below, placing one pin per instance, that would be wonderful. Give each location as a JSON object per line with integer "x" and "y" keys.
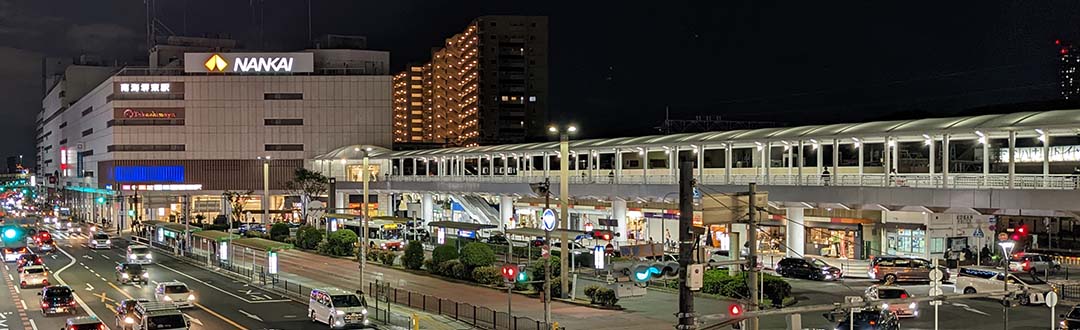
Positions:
{"x": 571, "y": 129}
{"x": 553, "y": 129}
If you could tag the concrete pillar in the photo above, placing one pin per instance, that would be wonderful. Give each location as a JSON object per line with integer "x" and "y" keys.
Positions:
{"x": 766, "y": 160}
{"x": 645, "y": 166}
{"x": 790, "y": 160}
{"x": 835, "y": 160}
{"x": 796, "y": 232}
{"x": 945, "y": 160}
{"x": 506, "y": 210}
{"x": 820, "y": 158}
{"x": 888, "y": 156}
{"x": 933, "y": 160}
{"x": 618, "y": 212}
{"x": 700, "y": 154}
{"x": 1046, "y": 161}
{"x": 386, "y": 204}
{"x": 618, "y": 165}
{"x": 427, "y": 207}
{"x": 673, "y": 164}
{"x": 341, "y": 202}
{"x": 414, "y": 168}
{"x": 986, "y": 161}
{"x": 727, "y": 163}
{"x": 1012, "y": 159}
{"x": 547, "y": 165}
{"x": 799, "y": 163}
{"x": 862, "y": 147}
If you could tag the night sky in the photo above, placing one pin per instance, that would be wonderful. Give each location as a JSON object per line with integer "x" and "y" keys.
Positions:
{"x": 797, "y": 61}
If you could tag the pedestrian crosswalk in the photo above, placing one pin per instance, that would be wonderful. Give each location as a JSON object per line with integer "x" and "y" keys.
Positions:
{"x": 68, "y": 235}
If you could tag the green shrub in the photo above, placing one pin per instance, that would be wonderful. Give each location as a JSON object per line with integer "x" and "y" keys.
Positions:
{"x": 414, "y": 255}
{"x": 476, "y": 254}
{"x": 599, "y": 295}
{"x": 776, "y": 289}
{"x": 308, "y": 237}
{"x": 387, "y": 258}
{"x": 443, "y": 253}
{"x": 487, "y": 275}
{"x": 459, "y": 271}
{"x": 718, "y": 282}
{"x": 339, "y": 243}
{"x": 446, "y": 268}
{"x": 429, "y": 265}
{"x": 536, "y": 272}
{"x": 279, "y": 232}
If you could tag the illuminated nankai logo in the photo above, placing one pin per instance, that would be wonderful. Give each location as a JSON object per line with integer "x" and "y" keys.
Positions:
{"x": 250, "y": 64}
{"x": 216, "y": 63}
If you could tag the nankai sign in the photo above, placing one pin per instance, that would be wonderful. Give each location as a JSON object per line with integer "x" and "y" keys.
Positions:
{"x": 249, "y": 62}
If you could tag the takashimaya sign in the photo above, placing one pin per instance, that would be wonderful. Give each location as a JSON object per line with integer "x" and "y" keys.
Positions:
{"x": 148, "y": 113}
{"x": 249, "y": 62}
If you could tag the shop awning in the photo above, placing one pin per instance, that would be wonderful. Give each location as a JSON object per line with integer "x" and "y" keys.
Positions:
{"x": 261, "y": 244}
{"x": 460, "y": 225}
{"x": 537, "y": 232}
{"x": 216, "y": 235}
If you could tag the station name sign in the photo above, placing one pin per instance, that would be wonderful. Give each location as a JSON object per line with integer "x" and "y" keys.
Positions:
{"x": 251, "y": 63}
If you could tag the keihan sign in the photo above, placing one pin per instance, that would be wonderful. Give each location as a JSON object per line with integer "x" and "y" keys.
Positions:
{"x": 248, "y": 63}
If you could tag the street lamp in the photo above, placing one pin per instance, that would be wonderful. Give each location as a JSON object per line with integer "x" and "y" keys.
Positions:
{"x": 564, "y": 199}
{"x": 364, "y": 177}
{"x": 1006, "y": 247}
{"x": 266, "y": 189}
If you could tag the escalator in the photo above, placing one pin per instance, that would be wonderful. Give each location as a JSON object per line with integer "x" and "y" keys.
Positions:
{"x": 478, "y": 209}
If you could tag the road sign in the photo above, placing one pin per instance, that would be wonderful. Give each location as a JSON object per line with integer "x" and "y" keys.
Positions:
{"x": 1051, "y": 299}
{"x": 1003, "y": 236}
{"x": 935, "y": 275}
{"x": 548, "y": 220}
{"x": 978, "y": 233}
{"x": 936, "y": 291}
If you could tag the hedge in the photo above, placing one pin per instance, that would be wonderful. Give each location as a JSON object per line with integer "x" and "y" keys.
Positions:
{"x": 477, "y": 255}
{"x": 487, "y": 275}
{"x": 443, "y": 253}
{"x": 718, "y": 282}
{"x": 599, "y": 295}
{"x": 308, "y": 237}
{"x": 414, "y": 255}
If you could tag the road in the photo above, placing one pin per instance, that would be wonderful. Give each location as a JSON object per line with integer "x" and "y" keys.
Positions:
{"x": 221, "y": 304}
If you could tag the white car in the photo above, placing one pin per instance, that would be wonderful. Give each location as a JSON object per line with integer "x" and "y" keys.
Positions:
{"x": 175, "y": 292}
{"x": 33, "y": 276}
{"x": 100, "y": 241}
{"x": 139, "y": 254}
{"x": 1034, "y": 263}
{"x": 1027, "y": 289}
{"x": 337, "y": 308}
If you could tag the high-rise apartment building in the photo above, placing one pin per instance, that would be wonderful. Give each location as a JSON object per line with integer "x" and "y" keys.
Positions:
{"x": 1070, "y": 70}
{"x": 486, "y": 85}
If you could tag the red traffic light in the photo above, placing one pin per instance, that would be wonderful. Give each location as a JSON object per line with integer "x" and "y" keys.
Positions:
{"x": 1022, "y": 230}
{"x": 509, "y": 272}
{"x": 734, "y": 310}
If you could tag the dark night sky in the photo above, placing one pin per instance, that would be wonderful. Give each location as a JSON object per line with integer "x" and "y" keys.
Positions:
{"x": 795, "y": 61}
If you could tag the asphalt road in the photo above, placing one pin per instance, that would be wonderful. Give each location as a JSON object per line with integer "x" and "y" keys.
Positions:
{"x": 222, "y": 303}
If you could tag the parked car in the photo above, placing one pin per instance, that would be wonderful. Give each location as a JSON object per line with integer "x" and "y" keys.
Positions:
{"x": 891, "y": 269}
{"x": 1033, "y": 263}
{"x": 1070, "y": 320}
{"x": 1026, "y": 288}
{"x": 808, "y": 268}
{"x": 880, "y": 292}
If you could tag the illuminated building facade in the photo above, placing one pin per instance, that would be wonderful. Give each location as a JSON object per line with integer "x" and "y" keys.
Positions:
{"x": 486, "y": 85}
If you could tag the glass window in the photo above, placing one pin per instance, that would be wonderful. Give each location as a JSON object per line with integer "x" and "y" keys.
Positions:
{"x": 937, "y": 245}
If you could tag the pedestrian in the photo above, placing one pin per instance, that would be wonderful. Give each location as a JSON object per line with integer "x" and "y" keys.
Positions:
{"x": 892, "y": 177}
{"x": 826, "y": 177}
{"x": 611, "y": 176}
{"x": 584, "y": 177}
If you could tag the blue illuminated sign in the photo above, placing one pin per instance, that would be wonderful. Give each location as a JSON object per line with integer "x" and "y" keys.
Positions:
{"x": 148, "y": 173}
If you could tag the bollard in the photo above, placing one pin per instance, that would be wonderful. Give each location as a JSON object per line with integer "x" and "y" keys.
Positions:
{"x": 415, "y": 322}
{"x": 555, "y": 325}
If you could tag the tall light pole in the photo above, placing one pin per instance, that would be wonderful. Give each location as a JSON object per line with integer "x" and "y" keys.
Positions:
{"x": 266, "y": 189}
{"x": 1006, "y": 247}
{"x": 363, "y": 211}
{"x": 564, "y": 200}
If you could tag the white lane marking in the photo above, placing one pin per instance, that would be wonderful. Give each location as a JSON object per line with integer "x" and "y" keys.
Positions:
{"x": 219, "y": 289}
{"x": 105, "y": 256}
{"x": 194, "y": 320}
{"x": 53, "y": 256}
{"x": 11, "y": 277}
{"x": 89, "y": 287}
{"x": 60, "y": 281}
{"x": 17, "y": 289}
{"x": 33, "y": 325}
{"x": 23, "y": 302}
{"x": 253, "y": 316}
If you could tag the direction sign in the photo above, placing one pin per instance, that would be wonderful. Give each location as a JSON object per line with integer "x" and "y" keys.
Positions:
{"x": 1051, "y": 299}
{"x": 935, "y": 275}
{"x": 548, "y": 220}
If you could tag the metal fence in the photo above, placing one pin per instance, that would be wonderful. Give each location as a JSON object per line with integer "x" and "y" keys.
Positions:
{"x": 477, "y": 316}
{"x": 1068, "y": 290}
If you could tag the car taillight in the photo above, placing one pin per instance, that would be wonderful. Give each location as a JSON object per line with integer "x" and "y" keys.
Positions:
{"x": 875, "y": 269}
{"x": 101, "y": 327}
{"x": 1027, "y": 264}
{"x": 903, "y": 296}
{"x": 45, "y": 305}
{"x": 872, "y": 322}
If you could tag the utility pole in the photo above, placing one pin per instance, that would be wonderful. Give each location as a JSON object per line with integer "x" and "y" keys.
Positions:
{"x": 752, "y": 258}
{"x": 686, "y": 243}
{"x": 547, "y": 262}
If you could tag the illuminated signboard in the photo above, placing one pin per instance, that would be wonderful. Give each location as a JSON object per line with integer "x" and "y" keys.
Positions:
{"x": 145, "y": 88}
{"x": 161, "y": 187}
{"x": 148, "y": 173}
{"x": 1035, "y": 154}
{"x": 249, "y": 62}
{"x": 148, "y": 113}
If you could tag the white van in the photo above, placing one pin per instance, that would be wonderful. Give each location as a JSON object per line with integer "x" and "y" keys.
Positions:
{"x": 338, "y": 308}
{"x": 1029, "y": 289}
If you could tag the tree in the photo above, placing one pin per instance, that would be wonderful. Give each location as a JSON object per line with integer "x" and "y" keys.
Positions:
{"x": 339, "y": 243}
{"x": 414, "y": 255}
{"x": 279, "y": 232}
{"x": 307, "y": 184}
{"x": 308, "y": 237}
{"x": 476, "y": 254}
{"x": 237, "y": 200}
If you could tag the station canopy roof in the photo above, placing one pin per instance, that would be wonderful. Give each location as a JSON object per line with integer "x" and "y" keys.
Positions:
{"x": 914, "y": 127}
{"x": 537, "y": 232}
{"x": 353, "y": 152}
{"x": 460, "y": 225}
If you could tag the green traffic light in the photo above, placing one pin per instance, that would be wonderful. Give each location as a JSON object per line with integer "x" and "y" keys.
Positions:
{"x": 10, "y": 233}
{"x": 521, "y": 277}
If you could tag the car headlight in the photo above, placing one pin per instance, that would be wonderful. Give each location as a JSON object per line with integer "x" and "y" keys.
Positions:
{"x": 129, "y": 320}
{"x": 913, "y": 306}
{"x": 148, "y": 256}
{"x": 146, "y": 275}
{"x": 364, "y": 311}
{"x": 108, "y": 241}
{"x": 124, "y": 275}
{"x": 340, "y": 312}
{"x": 885, "y": 306}
{"x": 167, "y": 298}
{"x": 190, "y": 297}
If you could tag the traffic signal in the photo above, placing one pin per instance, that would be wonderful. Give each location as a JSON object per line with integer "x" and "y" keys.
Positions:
{"x": 734, "y": 310}
{"x": 509, "y": 272}
{"x": 100, "y": 199}
{"x": 11, "y": 234}
{"x": 606, "y": 235}
{"x": 644, "y": 272}
{"x": 522, "y": 274}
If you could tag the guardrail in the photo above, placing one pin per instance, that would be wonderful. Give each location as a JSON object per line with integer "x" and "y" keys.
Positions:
{"x": 477, "y": 316}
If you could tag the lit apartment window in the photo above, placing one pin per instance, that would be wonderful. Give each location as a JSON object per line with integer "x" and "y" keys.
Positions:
{"x": 532, "y": 98}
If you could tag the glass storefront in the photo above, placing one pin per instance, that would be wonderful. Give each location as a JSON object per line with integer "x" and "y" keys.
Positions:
{"x": 830, "y": 242}
{"x": 906, "y": 242}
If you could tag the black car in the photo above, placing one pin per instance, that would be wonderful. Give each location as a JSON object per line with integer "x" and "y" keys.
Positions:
{"x": 29, "y": 259}
{"x": 57, "y": 299}
{"x": 808, "y": 268}
{"x": 131, "y": 273}
{"x": 871, "y": 319}
{"x": 497, "y": 239}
